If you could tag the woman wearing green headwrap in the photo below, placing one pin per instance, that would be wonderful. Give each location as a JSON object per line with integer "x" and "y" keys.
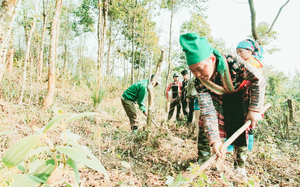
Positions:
{"x": 225, "y": 105}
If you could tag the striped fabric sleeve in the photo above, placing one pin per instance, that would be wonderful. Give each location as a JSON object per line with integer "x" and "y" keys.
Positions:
{"x": 257, "y": 87}
{"x": 208, "y": 114}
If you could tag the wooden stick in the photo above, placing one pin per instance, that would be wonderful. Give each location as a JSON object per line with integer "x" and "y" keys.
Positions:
{"x": 231, "y": 139}
{"x": 150, "y": 88}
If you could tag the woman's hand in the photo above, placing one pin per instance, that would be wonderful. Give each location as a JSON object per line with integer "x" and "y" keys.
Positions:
{"x": 219, "y": 150}
{"x": 254, "y": 116}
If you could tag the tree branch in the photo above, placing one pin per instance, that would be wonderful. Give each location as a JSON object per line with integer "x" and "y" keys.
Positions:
{"x": 253, "y": 21}
{"x": 277, "y": 16}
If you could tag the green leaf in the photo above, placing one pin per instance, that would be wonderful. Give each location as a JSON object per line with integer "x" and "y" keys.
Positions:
{"x": 21, "y": 167}
{"x": 36, "y": 151}
{"x": 83, "y": 156}
{"x": 251, "y": 182}
{"x": 54, "y": 121}
{"x": 70, "y": 136}
{"x": 18, "y": 151}
{"x": 24, "y": 180}
{"x": 77, "y": 116}
{"x": 74, "y": 166}
{"x": 200, "y": 183}
{"x": 34, "y": 164}
{"x": 203, "y": 176}
{"x": 44, "y": 171}
{"x": 179, "y": 177}
{"x": 170, "y": 180}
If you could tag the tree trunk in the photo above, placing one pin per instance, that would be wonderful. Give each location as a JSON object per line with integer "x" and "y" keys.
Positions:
{"x": 105, "y": 13}
{"x": 125, "y": 64}
{"x": 124, "y": 60}
{"x": 80, "y": 58}
{"x": 169, "y": 55}
{"x": 53, "y": 40}
{"x": 112, "y": 69}
{"x": 56, "y": 47}
{"x": 140, "y": 61}
{"x": 140, "y": 57}
{"x": 150, "y": 88}
{"x": 145, "y": 69}
{"x": 8, "y": 13}
{"x": 100, "y": 52}
{"x": 291, "y": 110}
{"x": 253, "y": 20}
{"x": 26, "y": 59}
{"x": 132, "y": 47}
{"x": 41, "y": 55}
{"x": 30, "y": 76}
{"x": 99, "y": 26}
{"x": 170, "y": 47}
{"x": 108, "y": 71}
{"x": 65, "y": 57}
{"x": 10, "y": 59}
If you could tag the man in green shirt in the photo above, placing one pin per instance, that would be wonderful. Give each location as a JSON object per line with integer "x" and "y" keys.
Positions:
{"x": 136, "y": 93}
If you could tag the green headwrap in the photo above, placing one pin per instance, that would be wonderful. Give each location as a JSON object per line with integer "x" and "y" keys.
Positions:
{"x": 221, "y": 68}
{"x": 198, "y": 49}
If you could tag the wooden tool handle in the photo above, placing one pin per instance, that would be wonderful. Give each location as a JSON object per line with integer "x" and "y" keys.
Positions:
{"x": 232, "y": 138}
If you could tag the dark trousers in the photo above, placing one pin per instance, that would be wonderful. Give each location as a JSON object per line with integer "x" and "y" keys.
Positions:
{"x": 188, "y": 113}
{"x": 175, "y": 103}
{"x": 129, "y": 107}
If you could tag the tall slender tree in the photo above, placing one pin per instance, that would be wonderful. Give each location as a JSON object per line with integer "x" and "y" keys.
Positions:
{"x": 104, "y": 27}
{"x": 8, "y": 13}
{"x": 28, "y": 51}
{"x": 53, "y": 47}
{"x": 41, "y": 54}
{"x": 132, "y": 40}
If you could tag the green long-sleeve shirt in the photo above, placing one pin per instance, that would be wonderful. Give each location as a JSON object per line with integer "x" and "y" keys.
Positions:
{"x": 137, "y": 92}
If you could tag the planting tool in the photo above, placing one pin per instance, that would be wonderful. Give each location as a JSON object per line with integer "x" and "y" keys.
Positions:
{"x": 231, "y": 139}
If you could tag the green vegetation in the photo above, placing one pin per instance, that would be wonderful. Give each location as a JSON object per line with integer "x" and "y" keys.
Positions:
{"x": 84, "y": 138}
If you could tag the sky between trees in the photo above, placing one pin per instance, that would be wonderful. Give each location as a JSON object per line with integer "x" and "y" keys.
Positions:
{"x": 230, "y": 20}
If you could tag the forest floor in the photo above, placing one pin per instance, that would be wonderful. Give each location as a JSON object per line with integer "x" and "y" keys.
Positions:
{"x": 153, "y": 156}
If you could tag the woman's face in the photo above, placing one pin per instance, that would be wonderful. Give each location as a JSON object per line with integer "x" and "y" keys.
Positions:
{"x": 245, "y": 54}
{"x": 205, "y": 69}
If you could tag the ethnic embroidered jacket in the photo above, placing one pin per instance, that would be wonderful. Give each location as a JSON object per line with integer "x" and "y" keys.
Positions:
{"x": 211, "y": 109}
{"x": 176, "y": 89}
